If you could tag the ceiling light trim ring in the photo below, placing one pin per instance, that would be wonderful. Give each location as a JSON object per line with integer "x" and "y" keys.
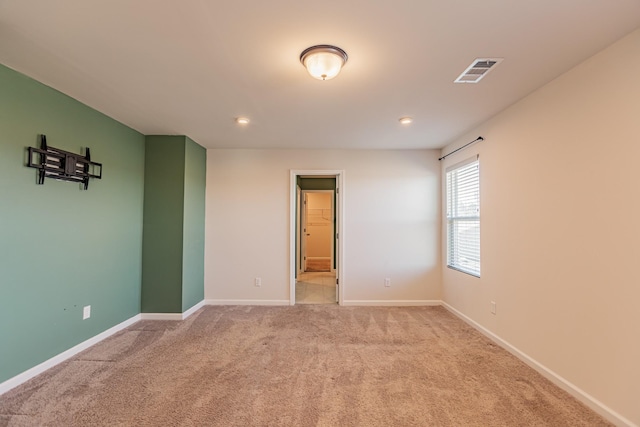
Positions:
{"x": 324, "y": 48}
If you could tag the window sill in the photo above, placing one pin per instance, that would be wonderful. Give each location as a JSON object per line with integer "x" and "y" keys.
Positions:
{"x": 463, "y": 271}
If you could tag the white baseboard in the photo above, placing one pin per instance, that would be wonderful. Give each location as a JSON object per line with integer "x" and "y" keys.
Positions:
{"x": 570, "y": 388}
{"x": 246, "y": 302}
{"x": 393, "y": 303}
{"x": 36, "y": 370}
{"x": 172, "y": 316}
{"x": 193, "y": 309}
{"x": 160, "y": 316}
{"x": 55, "y": 360}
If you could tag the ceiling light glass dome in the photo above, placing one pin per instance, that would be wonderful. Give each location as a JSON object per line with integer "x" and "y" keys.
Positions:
{"x": 323, "y": 62}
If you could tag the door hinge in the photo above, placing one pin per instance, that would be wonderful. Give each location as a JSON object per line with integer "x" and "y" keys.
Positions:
{"x": 337, "y": 281}
{"x": 337, "y": 236}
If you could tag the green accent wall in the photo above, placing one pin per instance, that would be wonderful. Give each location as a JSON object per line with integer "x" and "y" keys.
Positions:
{"x": 62, "y": 248}
{"x": 162, "y": 237}
{"x": 194, "y": 218}
{"x": 317, "y": 183}
{"x": 173, "y": 238}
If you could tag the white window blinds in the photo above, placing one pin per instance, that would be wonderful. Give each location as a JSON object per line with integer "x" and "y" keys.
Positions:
{"x": 463, "y": 218}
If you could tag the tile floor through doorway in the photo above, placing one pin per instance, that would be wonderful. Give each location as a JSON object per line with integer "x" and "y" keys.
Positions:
{"x": 316, "y": 288}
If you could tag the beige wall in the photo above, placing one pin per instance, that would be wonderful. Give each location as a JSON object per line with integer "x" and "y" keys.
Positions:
{"x": 560, "y": 234}
{"x": 391, "y": 224}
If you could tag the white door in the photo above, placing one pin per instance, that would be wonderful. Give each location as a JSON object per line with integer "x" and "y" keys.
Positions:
{"x": 336, "y": 261}
{"x": 298, "y": 233}
{"x": 303, "y": 230}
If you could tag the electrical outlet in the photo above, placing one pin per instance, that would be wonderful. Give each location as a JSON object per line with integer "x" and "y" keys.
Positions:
{"x": 493, "y": 307}
{"x": 387, "y": 282}
{"x": 86, "y": 312}
{"x": 258, "y": 282}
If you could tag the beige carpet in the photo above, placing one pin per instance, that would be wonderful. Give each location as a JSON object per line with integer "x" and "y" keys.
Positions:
{"x": 295, "y": 366}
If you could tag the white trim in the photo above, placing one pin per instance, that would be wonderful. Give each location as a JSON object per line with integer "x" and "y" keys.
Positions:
{"x": 173, "y": 316}
{"x": 246, "y": 302}
{"x": 567, "y": 386}
{"x": 193, "y": 309}
{"x": 559, "y": 381}
{"x": 55, "y": 360}
{"x": 393, "y": 303}
{"x": 160, "y": 316}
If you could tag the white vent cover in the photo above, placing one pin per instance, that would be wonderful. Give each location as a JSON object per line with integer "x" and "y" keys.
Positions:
{"x": 479, "y": 68}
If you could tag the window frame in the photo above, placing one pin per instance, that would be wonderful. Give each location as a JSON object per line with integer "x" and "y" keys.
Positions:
{"x": 452, "y": 218}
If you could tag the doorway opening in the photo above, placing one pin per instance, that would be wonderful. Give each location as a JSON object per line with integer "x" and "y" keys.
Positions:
{"x": 316, "y": 230}
{"x": 316, "y": 245}
{"x": 316, "y": 278}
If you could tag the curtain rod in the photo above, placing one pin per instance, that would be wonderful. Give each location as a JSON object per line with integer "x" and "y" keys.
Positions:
{"x": 465, "y": 145}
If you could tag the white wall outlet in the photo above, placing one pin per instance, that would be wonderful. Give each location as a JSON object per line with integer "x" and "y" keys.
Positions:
{"x": 258, "y": 282}
{"x": 493, "y": 307}
{"x": 387, "y": 282}
{"x": 86, "y": 312}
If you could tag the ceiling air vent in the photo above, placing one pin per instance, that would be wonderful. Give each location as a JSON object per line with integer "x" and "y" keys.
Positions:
{"x": 479, "y": 68}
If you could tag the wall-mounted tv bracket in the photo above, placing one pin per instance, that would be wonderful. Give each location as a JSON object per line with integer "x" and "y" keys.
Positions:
{"x": 63, "y": 165}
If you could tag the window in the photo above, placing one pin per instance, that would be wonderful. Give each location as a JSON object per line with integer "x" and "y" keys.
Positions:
{"x": 463, "y": 217}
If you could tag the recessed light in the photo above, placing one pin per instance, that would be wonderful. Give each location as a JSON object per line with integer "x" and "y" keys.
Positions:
{"x": 242, "y": 120}
{"x": 405, "y": 120}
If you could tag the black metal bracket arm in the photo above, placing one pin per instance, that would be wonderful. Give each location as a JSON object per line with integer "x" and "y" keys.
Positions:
{"x": 464, "y": 146}
{"x": 63, "y": 165}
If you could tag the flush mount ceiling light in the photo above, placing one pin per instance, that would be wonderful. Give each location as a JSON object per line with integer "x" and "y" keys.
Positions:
{"x": 242, "y": 120}
{"x": 323, "y": 61}
{"x": 405, "y": 120}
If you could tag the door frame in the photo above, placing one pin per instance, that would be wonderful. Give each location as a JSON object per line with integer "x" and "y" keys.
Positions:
{"x": 339, "y": 175}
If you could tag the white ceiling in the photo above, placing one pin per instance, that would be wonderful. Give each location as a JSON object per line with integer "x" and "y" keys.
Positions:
{"x": 190, "y": 67}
